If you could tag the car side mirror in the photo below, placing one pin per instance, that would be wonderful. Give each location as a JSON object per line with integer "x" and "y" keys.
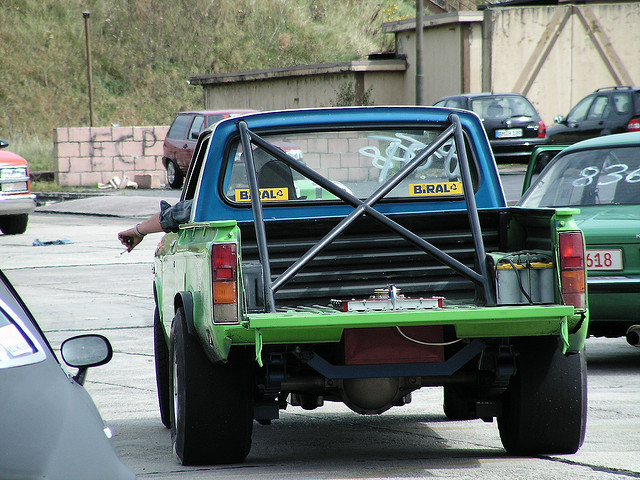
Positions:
{"x": 86, "y": 351}
{"x": 3, "y": 143}
{"x": 558, "y": 119}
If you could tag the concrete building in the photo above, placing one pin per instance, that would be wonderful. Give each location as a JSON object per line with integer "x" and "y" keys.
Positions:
{"x": 553, "y": 54}
{"x": 324, "y": 85}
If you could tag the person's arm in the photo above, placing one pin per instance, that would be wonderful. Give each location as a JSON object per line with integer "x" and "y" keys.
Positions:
{"x": 133, "y": 236}
{"x": 167, "y": 220}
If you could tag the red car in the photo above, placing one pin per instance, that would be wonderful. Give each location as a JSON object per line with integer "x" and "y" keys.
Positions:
{"x": 182, "y": 137}
{"x": 16, "y": 200}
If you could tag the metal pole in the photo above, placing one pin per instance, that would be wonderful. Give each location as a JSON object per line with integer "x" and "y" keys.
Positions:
{"x": 472, "y": 210}
{"x": 258, "y": 216}
{"x": 87, "y": 36}
{"x": 419, "y": 72}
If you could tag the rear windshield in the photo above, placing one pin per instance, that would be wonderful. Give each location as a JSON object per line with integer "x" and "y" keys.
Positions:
{"x": 604, "y": 176}
{"x": 358, "y": 161}
{"x": 504, "y": 106}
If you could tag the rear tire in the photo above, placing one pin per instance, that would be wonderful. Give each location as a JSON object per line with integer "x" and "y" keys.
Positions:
{"x": 174, "y": 175}
{"x": 161, "y": 354}
{"x": 211, "y": 404}
{"x": 545, "y": 405}
{"x": 14, "y": 224}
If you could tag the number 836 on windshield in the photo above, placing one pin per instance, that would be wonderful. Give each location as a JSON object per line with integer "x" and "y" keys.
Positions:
{"x": 610, "y": 174}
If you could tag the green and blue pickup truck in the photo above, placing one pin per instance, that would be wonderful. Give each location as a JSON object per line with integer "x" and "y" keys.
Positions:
{"x": 379, "y": 259}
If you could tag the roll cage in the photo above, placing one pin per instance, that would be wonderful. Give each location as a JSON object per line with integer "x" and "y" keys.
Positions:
{"x": 365, "y": 207}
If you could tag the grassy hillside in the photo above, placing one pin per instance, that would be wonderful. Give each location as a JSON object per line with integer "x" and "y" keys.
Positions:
{"x": 145, "y": 50}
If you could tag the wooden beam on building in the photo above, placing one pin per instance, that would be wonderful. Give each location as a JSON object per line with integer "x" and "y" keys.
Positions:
{"x": 603, "y": 45}
{"x": 540, "y": 54}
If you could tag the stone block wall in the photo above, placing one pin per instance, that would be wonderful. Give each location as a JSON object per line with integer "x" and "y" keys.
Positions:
{"x": 88, "y": 156}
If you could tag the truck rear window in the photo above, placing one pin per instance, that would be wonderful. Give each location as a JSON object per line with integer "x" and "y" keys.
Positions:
{"x": 358, "y": 161}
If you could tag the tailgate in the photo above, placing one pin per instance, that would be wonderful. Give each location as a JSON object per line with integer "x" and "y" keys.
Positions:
{"x": 310, "y": 326}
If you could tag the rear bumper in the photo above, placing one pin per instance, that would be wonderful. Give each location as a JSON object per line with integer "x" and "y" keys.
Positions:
{"x": 613, "y": 284}
{"x": 613, "y": 300}
{"x": 517, "y": 149}
{"x": 17, "y": 204}
{"x": 468, "y": 322}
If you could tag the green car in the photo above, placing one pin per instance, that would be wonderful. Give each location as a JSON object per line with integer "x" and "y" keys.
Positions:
{"x": 601, "y": 176}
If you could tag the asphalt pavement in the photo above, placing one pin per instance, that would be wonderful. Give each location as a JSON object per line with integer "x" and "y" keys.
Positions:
{"x": 127, "y": 204}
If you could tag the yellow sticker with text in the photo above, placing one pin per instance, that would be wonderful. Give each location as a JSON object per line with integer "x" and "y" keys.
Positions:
{"x": 435, "y": 189}
{"x": 266, "y": 194}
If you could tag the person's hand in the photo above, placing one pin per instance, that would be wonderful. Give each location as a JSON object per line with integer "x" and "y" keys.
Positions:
{"x": 129, "y": 239}
{"x": 133, "y": 236}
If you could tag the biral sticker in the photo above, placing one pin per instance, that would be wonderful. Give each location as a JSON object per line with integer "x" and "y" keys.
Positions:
{"x": 435, "y": 189}
{"x": 266, "y": 194}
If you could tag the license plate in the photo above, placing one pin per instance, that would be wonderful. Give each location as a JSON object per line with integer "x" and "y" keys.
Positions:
{"x": 14, "y": 187}
{"x": 509, "y": 133}
{"x": 604, "y": 259}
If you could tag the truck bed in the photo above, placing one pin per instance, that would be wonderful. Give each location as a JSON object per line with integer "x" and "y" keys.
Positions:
{"x": 369, "y": 256}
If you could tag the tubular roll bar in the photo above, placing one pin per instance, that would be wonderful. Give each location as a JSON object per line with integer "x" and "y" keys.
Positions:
{"x": 365, "y": 208}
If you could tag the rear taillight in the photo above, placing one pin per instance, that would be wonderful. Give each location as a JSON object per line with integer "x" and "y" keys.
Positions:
{"x": 573, "y": 275}
{"x": 542, "y": 129}
{"x": 224, "y": 282}
{"x": 634, "y": 125}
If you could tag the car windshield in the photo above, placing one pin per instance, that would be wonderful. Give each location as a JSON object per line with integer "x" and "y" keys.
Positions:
{"x": 603, "y": 176}
{"x": 502, "y": 106}
{"x": 358, "y": 161}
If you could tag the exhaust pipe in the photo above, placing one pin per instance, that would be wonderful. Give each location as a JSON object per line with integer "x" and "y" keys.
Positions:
{"x": 633, "y": 335}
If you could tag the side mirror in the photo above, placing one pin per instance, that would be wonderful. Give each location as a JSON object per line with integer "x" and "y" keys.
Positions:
{"x": 3, "y": 143}
{"x": 86, "y": 351}
{"x": 558, "y": 119}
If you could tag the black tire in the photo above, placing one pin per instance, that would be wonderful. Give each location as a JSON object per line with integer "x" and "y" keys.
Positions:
{"x": 456, "y": 405}
{"x": 174, "y": 175}
{"x": 161, "y": 354}
{"x": 545, "y": 405}
{"x": 14, "y": 224}
{"x": 212, "y": 404}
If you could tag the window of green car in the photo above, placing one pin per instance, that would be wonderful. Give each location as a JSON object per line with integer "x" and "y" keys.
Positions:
{"x": 358, "y": 161}
{"x": 604, "y": 176}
